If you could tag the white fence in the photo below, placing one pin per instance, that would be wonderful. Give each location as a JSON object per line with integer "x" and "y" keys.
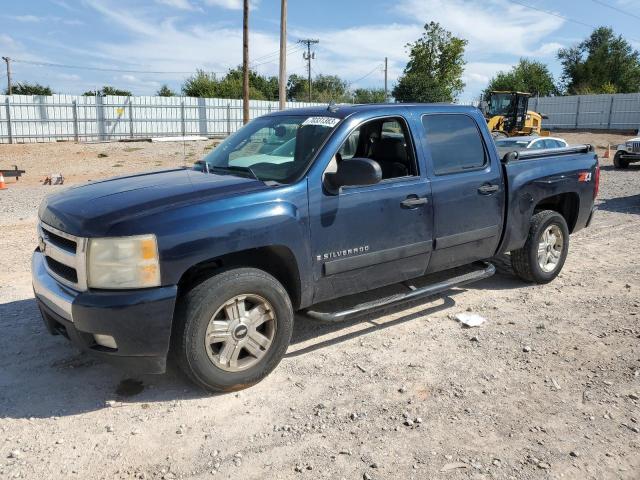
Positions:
{"x": 37, "y": 118}
{"x": 590, "y": 112}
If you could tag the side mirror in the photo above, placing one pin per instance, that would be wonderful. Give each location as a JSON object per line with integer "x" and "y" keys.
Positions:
{"x": 353, "y": 172}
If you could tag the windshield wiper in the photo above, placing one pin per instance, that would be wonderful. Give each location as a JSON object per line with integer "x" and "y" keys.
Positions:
{"x": 233, "y": 170}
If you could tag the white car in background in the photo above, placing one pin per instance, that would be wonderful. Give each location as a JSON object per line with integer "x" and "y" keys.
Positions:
{"x": 628, "y": 152}
{"x": 514, "y": 144}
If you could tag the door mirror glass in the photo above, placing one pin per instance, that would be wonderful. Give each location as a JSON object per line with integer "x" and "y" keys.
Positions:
{"x": 353, "y": 172}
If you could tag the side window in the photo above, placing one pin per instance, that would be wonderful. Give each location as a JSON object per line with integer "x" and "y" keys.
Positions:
{"x": 537, "y": 145}
{"x": 348, "y": 149}
{"x": 455, "y": 143}
{"x": 551, "y": 144}
{"x": 386, "y": 141}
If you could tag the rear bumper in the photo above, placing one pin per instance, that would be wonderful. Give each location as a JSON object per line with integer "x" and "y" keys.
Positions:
{"x": 139, "y": 321}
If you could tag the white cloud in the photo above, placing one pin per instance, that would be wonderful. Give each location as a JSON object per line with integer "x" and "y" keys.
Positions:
{"x": 24, "y": 18}
{"x": 490, "y": 26}
{"x": 71, "y": 77}
{"x": 230, "y": 4}
{"x": 179, "y": 4}
{"x": 548, "y": 49}
{"x": 127, "y": 19}
{"x": 479, "y": 73}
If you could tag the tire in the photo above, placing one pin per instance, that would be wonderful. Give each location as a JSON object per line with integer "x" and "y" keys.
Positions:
{"x": 207, "y": 364}
{"x": 525, "y": 260}
{"x": 618, "y": 162}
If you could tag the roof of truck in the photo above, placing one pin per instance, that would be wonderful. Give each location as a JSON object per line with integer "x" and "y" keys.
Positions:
{"x": 343, "y": 110}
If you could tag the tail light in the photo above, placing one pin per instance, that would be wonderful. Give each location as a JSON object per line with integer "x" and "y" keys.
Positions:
{"x": 596, "y": 182}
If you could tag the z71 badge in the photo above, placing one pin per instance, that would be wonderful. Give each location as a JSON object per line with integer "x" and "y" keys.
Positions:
{"x": 343, "y": 253}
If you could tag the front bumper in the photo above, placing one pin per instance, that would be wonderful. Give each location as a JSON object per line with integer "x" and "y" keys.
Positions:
{"x": 629, "y": 156}
{"x": 138, "y": 320}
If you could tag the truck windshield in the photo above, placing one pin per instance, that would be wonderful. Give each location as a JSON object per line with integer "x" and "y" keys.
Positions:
{"x": 272, "y": 148}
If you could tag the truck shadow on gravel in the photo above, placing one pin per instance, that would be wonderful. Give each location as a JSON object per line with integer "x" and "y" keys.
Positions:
{"x": 42, "y": 376}
{"x": 630, "y": 204}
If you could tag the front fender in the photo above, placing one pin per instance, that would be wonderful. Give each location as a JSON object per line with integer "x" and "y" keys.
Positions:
{"x": 198, "y": 233}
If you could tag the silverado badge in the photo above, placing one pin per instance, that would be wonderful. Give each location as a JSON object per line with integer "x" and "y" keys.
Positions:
{"x": 343, "y": 253}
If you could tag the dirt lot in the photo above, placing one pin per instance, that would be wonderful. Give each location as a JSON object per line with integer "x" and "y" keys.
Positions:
{"x": 548, "y": 387}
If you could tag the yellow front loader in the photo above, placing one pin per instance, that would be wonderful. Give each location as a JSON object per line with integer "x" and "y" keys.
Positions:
{"x": 508, "y": 115}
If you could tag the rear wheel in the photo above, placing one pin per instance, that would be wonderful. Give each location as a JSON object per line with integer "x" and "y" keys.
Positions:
{"x": 619, "y": 162}
{"x": 233, "y": 329}
{"x": 542, "y": 257}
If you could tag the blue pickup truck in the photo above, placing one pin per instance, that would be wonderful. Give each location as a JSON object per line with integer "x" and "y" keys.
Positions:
{"x": 295, "y": 210}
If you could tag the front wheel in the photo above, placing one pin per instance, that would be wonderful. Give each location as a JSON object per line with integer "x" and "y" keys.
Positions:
{"x": 542, "y": 257}
{"x": 233, "y": 329}
{"x": 619, "y": 162}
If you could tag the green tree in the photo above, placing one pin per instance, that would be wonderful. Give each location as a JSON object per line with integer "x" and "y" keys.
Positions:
{"x": 204, "y": 84}
{"x": 603, "y": 63}
{"x": 201, "y": 84}
{"x": 26, "y": 88}
{"x": 108, "y": 90}
{"x": 165, "y": 91}
{"x": 527, "y": 76}
{"x": 434, "y": 71}
{"x": 369, "y": 95}
{"x": 297, "y": 88}
{"x": 324, "y": 89}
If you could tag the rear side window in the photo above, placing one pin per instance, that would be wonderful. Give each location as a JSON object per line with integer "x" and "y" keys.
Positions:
{"x": 455, "y": 143}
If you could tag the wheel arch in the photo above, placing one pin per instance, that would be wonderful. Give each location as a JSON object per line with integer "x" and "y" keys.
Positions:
{"x": 566, "y": 204}
{"x": 277, "y": 260}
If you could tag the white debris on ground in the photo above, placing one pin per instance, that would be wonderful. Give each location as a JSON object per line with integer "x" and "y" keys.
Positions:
{"x": 469, "y": 319}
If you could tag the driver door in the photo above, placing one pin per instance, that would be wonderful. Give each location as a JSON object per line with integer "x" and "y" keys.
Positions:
{"x": 365, "y": 237}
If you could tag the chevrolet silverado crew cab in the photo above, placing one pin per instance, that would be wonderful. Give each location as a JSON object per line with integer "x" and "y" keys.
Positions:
{"x": 294, "y": 210}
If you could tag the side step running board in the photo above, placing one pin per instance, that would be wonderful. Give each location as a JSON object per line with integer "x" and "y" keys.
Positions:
{"x": 484, "y": 270}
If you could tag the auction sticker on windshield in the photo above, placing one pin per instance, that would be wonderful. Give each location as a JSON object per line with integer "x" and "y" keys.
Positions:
{"x": 324, "y": 121}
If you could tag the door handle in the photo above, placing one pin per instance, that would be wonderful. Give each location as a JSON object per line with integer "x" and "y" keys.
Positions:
{"x": 488, "y": 189}
{"x": 414, "y": 201}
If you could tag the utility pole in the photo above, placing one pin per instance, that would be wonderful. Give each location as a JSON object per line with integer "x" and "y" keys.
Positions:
{"x": 8, "y": 62}
{"x": 282, "y": 87}
{"x": 308, "y": 56}
{"x": 386, "y": 70}
{"x": 245, "y": 62}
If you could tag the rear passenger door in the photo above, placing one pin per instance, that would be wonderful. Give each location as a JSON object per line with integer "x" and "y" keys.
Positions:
{"x": 467, "y": 190}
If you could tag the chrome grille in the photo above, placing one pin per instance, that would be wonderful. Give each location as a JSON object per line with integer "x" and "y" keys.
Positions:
{"x": 635, "y": 147}
{"x": 65, "y": 256}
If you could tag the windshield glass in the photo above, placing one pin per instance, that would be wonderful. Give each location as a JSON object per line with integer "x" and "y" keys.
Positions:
{"x": 499, "y": 104}
{"x": 277, "y": 148}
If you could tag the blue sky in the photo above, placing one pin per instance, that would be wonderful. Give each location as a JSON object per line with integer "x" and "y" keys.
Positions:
{"x": 178, "y": 36}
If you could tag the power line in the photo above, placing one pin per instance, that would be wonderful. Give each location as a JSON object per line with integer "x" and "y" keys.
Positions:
{"x": 548, "y": 12}
{"x": 271, "y": 55}
{"x": 100, "y": 69}
{"x": 291, "y": 52}
{"x": 617, "y": 9}
{"x": 568, "y": 19}
{"x": 377, "y": 67}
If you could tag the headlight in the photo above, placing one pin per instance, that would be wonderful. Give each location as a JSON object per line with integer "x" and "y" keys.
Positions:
{"x": 123, "y": 262}
{"x": 628, "y": 145}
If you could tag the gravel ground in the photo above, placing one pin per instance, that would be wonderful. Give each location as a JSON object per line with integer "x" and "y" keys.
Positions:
{"x": 548, "y": 387}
